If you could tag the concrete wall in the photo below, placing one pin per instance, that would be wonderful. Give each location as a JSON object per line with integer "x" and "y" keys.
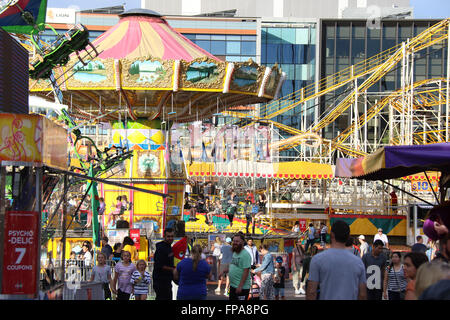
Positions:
{"x": 274, "y": 8}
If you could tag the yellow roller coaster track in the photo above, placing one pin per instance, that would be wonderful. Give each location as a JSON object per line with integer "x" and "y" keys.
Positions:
{"x": 426, "y": 97}
{"x": 298, "y": 135}
{"x": 377, "y": 66}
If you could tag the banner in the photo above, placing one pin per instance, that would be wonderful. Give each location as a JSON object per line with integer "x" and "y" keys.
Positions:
{"x": 135, "y": 234}
{"x": 20, "y": 255}
{"x": 302, "y": 223}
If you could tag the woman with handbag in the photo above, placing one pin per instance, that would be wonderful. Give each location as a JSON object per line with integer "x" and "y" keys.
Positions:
{"x": 267, "y": 269}
{"x": 394, "y": 279}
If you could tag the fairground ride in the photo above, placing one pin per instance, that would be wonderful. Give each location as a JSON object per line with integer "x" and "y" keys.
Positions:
{"x": 415, "y": 113}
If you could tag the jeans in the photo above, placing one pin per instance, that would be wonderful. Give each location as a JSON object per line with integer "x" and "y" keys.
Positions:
{"x": 309, "y": 242}
{"x": 323, "y": 239}
{"x": 279, "y": 292}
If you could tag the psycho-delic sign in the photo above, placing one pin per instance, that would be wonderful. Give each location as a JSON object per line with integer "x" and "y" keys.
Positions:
{"x": 135, "y": 234}
{"x": 20, "y": 263}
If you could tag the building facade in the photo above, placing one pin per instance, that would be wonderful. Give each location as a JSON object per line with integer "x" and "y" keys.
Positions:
{"x": 309, "y": 40}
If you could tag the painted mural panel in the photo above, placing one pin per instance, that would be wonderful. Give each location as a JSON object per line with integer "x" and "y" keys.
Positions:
{"x": 21, "y": 137}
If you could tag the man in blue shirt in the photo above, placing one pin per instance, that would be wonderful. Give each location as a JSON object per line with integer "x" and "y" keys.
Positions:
{"x": 419, "y": 246}
{"x": 338, "y": 273}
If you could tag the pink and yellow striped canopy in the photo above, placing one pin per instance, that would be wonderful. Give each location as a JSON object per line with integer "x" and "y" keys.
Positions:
{"x": 140, "y": 35}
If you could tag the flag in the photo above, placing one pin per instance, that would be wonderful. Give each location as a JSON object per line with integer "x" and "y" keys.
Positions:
{"x": 179, "y": 250}
{"x": 95, "y": 204}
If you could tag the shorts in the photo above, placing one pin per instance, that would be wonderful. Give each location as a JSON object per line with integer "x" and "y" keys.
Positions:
{"x": 279, "y": 292}
{"x": 223, "y": 266}
{"x": 242, "y": 296}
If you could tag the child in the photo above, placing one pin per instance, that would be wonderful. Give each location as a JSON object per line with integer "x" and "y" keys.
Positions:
{"x": 102, "y": 273}
{"x": 140, "y": 279}
{"x": 280, "y": 273}
{"x": 117, "y": 253}
{"x": 73, "y": 259}
{"x": 255, "y": 288}
{"x": 117, "y": 211}
{"x": 123, "y": 272}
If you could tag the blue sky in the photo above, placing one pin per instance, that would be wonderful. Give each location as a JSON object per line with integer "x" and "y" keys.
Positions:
{"x": 423, "y": 9}
{"x": 431, "y": 9}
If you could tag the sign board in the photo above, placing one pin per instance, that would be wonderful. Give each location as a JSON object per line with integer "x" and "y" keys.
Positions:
{"x": 135, "y": 234}
{"x": 60, "y": 15}
{"x": 20, "y": 255}
{"x": 116, "y": 236}
{"x": 424, "y": 186}
{"x": 302, "y": 223}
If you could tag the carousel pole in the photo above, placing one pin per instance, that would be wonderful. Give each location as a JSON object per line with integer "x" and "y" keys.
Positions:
{"x": 447, "y": 102}
{"x": 63, "y": 228}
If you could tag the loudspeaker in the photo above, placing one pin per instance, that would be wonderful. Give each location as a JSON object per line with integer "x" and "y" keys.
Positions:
{"x": 180, "y": 230}
{"x": 122, "y": 224}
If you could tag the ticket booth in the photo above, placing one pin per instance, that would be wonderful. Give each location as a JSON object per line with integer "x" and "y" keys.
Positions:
{"x": 29, "y": 143}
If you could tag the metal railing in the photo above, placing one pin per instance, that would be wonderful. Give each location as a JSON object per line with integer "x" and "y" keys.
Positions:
{"x": 77, "y": 275}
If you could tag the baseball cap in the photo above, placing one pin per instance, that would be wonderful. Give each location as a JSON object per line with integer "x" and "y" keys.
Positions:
{"x": 362, "y": 237}
{"x": 279, "y": 259}
{"x": 228, "y": 239}
{"x": 379, "y": 229}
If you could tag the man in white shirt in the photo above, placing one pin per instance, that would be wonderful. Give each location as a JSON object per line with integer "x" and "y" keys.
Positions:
{"x": 381, "y": 236}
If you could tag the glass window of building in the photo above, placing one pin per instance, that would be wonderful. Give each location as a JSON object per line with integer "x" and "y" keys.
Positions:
{"x": 233, "y": 47}
{"x": 218, "y": 47}
{"x": 248, "y": 48}
{"x": 373, "y": 42}
{"x": 358, "y": 44}
{"x": 204, "y": 44}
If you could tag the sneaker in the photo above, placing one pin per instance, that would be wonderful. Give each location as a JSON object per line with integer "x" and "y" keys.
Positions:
{"x": 297, "y": 291}
{"x": 302, "y": 291}
{"x": 217, "y": 291}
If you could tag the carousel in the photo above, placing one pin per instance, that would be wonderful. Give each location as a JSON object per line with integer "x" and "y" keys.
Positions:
{"x": 146, "y": 79}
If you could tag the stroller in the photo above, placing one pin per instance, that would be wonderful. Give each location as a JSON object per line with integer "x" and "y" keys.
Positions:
{"x": 254, "y": 288}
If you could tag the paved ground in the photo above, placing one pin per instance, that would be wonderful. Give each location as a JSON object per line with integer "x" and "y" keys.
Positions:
{"x": 288, "y": 291}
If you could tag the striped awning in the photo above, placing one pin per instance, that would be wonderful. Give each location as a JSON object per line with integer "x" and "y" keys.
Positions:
{"x": 298, "y": 170}
{"x": 433, "y": 176}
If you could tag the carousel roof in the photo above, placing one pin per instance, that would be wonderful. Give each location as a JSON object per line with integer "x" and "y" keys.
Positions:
{"x": 145, "y": 69}
{"x": 143, "y": 32}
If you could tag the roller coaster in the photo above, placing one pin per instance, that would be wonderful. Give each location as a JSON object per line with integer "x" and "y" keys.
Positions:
{"x": 411, "y": 118}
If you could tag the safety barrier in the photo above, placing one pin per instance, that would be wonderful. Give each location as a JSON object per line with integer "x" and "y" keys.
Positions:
{"x": 77, "y": 285}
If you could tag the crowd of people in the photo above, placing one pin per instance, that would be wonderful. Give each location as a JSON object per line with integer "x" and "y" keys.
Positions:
{"x": 229, "y": 205}
{"x": 341, "y": 273}
{"x": 344, "y": 270}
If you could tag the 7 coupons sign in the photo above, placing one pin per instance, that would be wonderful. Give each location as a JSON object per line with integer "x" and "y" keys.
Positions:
{"x": 20, "y": 266}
